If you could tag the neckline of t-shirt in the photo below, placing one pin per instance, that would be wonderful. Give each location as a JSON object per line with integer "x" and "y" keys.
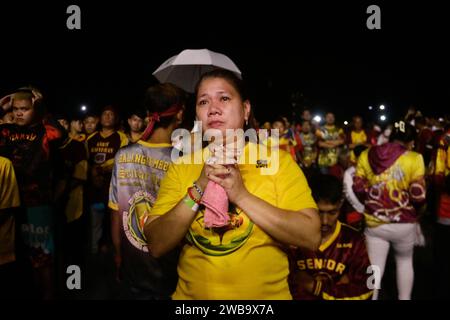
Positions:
{"x": 154, "y": 145}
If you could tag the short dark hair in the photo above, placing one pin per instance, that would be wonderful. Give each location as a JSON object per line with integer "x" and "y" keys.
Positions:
{"x": 76, "y": 116}
{"x": 359, "y": 149}
{"x": 91, "y": 115}
{"x": 280, "y": 119}
{"x": 139, "y": 112}
{"x": 237, "y": 83}
{"x": 404, "y": 132}
{"x": 326, "y": 188}
{"x": 162, "y": 96}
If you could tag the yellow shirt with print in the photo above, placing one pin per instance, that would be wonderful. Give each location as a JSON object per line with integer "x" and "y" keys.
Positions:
{"x": 409, "y": 167}
{"x": 328, "y": 157}
{"x": 9, "y": 198}
{"x": 239, "y": 261}
{"x": 357, "y": 137}
{"x": 9, "y": 191}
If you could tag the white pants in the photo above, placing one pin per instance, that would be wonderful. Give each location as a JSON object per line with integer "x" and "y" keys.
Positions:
{"x": 402, "y": 236}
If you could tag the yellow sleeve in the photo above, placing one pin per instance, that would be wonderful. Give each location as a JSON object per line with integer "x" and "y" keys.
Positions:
{"x": 9, "y": 191}
{"x": 360, "y": 166}
{"x": 113, "y": 206}
{"x": 417, "y": 167}
{"x": 170, "y": 191}
{"x": 448, "y": 159}
{"x": 441, "y": 160}
{"x": 123, "y": 139}
{"x": 293, "y": 192}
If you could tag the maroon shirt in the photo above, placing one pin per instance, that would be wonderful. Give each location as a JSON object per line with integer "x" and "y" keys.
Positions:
{"x": 344, "y": 262}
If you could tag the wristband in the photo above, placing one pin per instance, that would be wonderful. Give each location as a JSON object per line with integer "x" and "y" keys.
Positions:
{"x": 200, "y": 192}
{"x": 191, "y": 203}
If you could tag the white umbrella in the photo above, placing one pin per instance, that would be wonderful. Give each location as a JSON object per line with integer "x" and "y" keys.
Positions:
{"x": 186, "y": 68}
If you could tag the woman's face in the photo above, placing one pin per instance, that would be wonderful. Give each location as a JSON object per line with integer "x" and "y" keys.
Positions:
{"x": 219, "y": 105}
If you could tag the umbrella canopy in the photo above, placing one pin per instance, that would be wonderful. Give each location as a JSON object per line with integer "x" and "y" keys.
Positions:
{"x": 186, "y": 68}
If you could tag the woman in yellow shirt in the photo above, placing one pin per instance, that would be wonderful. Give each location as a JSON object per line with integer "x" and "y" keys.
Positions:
{"x": 244, "y": 259}
{"x": 389, "y": 179}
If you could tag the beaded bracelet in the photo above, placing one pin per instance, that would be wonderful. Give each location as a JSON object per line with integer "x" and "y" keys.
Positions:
{"x": 200, "y": 192}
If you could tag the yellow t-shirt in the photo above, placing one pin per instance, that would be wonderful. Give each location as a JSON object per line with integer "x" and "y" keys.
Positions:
{"x": 9, "y": 192}
{"x": 328, "y": 157}
{"x": 239, "y": 261}
{"x": 357, "y": 137}
{"x": 389, "y": 197}
{"x": 9, "y": 198}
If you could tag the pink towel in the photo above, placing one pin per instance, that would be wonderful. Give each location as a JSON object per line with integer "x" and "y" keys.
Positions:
{"x": 215, "y": 200}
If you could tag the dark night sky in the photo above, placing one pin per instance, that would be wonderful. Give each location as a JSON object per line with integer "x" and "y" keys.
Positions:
{"x": 323, "y": 50}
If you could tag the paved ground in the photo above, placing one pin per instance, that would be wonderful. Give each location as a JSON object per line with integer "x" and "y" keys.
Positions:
{"x": 102, "y": 284}
{"x": 98, "y": 277}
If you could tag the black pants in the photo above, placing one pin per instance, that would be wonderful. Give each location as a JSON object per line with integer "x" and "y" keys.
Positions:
{"x": 130, "y": 292}
{"x": 441, "y": 257}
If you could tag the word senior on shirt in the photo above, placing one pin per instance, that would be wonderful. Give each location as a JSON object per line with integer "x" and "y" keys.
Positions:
{"x": 321, "y": 263}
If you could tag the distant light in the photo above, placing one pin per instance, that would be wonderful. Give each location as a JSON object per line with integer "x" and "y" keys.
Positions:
{"x": 441, "y": 119}
{"x": 370, "y": 107}
{"x": 317, "y": 119}
{"x": 83, "y": 108}
{"x": 346, "y": 123}
{"x": 382, "y": 107}
{"x": 383, "y": 117}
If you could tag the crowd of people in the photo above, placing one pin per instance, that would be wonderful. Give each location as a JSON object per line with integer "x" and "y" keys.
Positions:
{"x": 393, "y": 177}
{"x": 80, "y": 190}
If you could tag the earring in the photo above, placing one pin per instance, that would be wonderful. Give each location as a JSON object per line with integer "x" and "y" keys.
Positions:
{"x": 246, "y": 122}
